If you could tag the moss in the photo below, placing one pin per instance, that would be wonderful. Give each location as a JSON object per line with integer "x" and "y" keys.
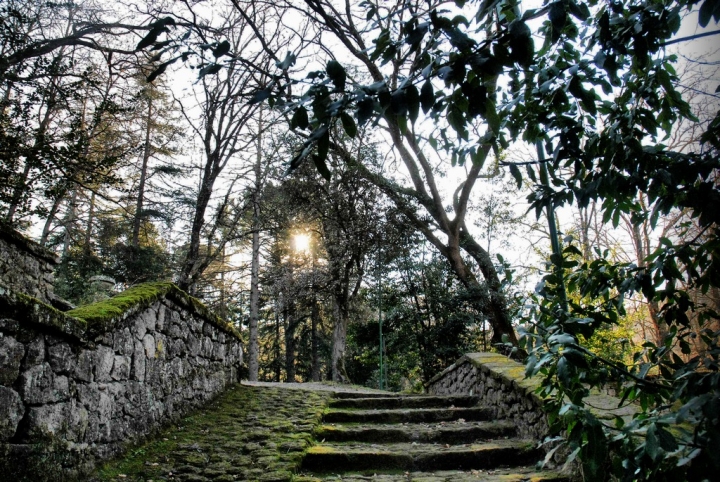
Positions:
{"x": 101, "y": 316}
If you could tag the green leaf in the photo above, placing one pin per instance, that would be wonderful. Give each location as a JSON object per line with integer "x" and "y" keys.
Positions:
{"x": 214, "y": 69}
{"x": 365, "y": 110}
{"x": 706, "y": 12}
{"x": 652, "y": 443}
{"x": 157, "y": 72}
{"x": 148, "y": 40}
{"x": 287, "y": 62}
{"x": 398, "y": 102}
{"x": 323, "y": 145}
{"x": 260, "y": 96}
{"x": 222, "y": 49}
{"x": 427, "y": 97}
{"x": 300, "y": 118}
{"x": 348, "y": 124}
{"x": 492, "y": 117}
{"x": 516, "y": 174}
{"x": 412, "y": 98}
{"x": 336, "y": 72}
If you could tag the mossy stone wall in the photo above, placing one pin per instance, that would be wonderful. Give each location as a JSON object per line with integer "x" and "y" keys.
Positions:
{"x": 501, "y": 385}
{"x": 25, "y": 266}
{"x": 87, "y": 382}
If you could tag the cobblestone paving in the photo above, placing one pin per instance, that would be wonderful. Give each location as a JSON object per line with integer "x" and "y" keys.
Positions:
{"x": 248, "y": 434}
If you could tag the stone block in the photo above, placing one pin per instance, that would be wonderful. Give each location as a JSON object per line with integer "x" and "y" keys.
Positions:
{"x": 121, "y": 368}
{"x": 89, "y": 395}
{"x": 138, "y": 362}
{"x": 35, "y": 353}
{"x": 139, "y": 328}
{"x": 11, "y": 355}
{"x": 193, "y": 345}
{"x": 39, "y": 385}
{"x": 161, "y": 316}
{"x": 61, "y": 357}
{"x": 12, "y": 411}
{"x": 104, "y": 360}
{"x": 123, "y": 343}
{"x": 149, "y": 346}
{"x": 52, "y": 419}
{"x": 161, "y": 346}
{"x": 83, "y": 368}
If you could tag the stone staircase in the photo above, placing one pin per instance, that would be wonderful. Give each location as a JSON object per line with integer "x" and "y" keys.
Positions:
{"x": 418, "y": 438}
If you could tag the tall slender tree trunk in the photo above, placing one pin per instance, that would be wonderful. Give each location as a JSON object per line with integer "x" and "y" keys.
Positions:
{"x": 69, "y": 219}
{"x": 339, "y": 344}
{"x": 254, "y": 348}
{"x": 290, "y": 326}
{"x": 51, "y": 217}
{"x": 315, "y": 319}
{"x": 147, "y": 150}
{"x": 90, "y": 221}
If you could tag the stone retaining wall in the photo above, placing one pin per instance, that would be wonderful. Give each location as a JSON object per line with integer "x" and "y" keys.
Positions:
{"x": 501, "y": 385}
{"x": 94, "y": 379}
{"x": 25, "y": 266}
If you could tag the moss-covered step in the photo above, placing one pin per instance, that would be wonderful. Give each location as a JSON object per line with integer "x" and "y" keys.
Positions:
{"x": 456, "y": 432}
{"x": 427, "y": 401}
{"x": 410, "y": 415}
{"x": 516, "y": 474}
{"x": 419, "y": 457}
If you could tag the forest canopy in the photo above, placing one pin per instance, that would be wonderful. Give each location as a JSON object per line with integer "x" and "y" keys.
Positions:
{"x": 369, "y": 190}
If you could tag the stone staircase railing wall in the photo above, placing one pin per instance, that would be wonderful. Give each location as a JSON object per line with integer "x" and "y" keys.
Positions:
{"x": 501, "y": 385}
{"x": 80, "y": 386}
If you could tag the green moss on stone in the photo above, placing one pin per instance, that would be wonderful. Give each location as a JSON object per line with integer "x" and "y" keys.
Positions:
{"x": 103, "y": 315}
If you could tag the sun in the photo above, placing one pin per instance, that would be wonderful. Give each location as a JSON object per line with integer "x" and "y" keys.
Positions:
{"x": 301, "y": 243}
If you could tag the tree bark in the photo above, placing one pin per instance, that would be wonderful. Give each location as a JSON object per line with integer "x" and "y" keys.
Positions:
{"x": 147, "y": 149}
{"x": 339, "y": 344}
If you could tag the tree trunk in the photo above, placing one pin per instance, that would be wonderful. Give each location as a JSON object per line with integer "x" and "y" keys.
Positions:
{"x": 339, "y": 344}
{"x": 291, "y": 324}
{"x": 69, "y": 218}
{"x": 147, "y": 149}
{"x": 50, "y": 219}
{"x": 315, "y": 318}
{"x": 253, "y": 348}
{"x": 91, "y": 219}
{"x": 189, "y": 274}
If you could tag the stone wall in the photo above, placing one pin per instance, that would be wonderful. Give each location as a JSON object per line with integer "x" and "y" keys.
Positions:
{"x": 25, "y": 266}
{"x": 102, "y": 376}
{"x": 501, "y": 386}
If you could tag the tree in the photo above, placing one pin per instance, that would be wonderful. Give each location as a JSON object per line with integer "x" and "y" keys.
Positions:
{"x": 605, "y": 148}
{"x": 221, "y": 130}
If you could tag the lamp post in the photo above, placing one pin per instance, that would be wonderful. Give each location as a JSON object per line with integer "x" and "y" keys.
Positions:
{"x": 380, "y": 323}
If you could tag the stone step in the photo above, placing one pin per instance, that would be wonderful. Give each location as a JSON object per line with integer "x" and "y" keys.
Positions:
{"x": 346, "y": 395}
{"x": 419, "y": 457}
{"x": 406, "y": 402}
{"x": 410, "y": 415}
{"x": 444, "y": 433}
{"x": 516, "y": 474}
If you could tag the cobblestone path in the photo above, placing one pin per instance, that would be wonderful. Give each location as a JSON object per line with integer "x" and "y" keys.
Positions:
{"x": 247, "y": 434}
